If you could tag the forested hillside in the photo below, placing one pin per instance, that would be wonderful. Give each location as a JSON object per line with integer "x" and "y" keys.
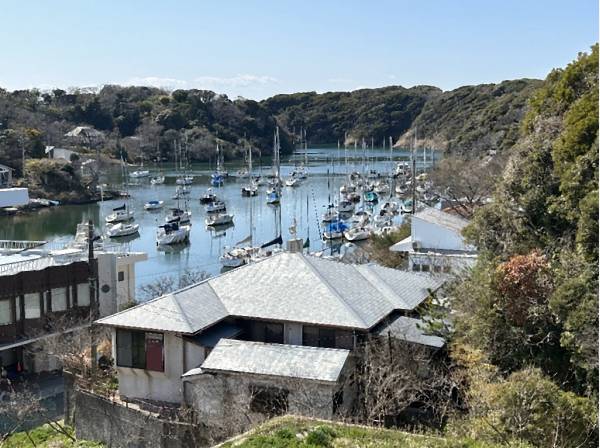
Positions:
{"x": 139, "y": 120}
{"x": 473, "y": 119}
{"x": 367, "y": 113}
{"x": 470, "y": 119}
{"x": 527, "y": 317}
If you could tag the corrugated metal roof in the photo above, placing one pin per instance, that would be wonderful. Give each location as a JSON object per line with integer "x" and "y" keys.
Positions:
{"x": 286, "y": 287}
{"x": 407, "y": 329}
{"x": 293, "y": 361}
{"x": 441, "y": 218}
{"x": 406, "y": 245}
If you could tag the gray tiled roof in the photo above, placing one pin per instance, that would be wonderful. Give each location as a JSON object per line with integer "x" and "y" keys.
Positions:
{"x": 286, "y": 287}
{"x": 407, "y": 329}
{"x": 258, "y": 358}
{"x": 441, "y": 218}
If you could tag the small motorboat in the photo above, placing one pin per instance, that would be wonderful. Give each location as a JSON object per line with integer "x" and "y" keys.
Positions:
{"x": 361, "y": 217}
{"x": 407, "y": 206}
{"x": 120, "y": 214}
{"x": 292, "y": 182}
{"x": 185, "y": 180}
{"x": 181, "y": 192}
{"x": 357, "y": 234}
{"x": 158, "y": 180}
{"x": 390, "y": 207}
{"x": 208, "y": 198}
{"x": 140, "y": 174}
{"x": 273, "y": 196}
{"x": 381, "y": 188}
{"x": 215, "y": 207}
{"x": 179, "y": 215}
{"x": 219, "y": 219}
{"x": 250, "y": 190}
{"x": 122, "y": 229}
{"x": 401, "y": 189}
{"x": 346, "y": 206}
{"x": 153, "y": 205}
{"x": 335, "y": 230}
{"x": 370, "y": 196}
{"x": 235, "y": 257}
{"x": 172, "y": 233}
{"x": 353, "y": 197}
{"x": 217, "y": 179}
{"x": 330, "y": 215}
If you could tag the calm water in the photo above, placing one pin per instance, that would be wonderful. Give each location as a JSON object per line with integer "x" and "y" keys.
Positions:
{"x": 205, "y": 247}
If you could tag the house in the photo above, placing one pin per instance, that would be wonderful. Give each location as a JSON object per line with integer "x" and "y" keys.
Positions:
{"x": 269, "y": 379}
{"x": 164, "y": 346}
{"x": 85, "y": 135}
{"x": 9, "y": 195}
{"x": 436, "y": 243}
{"x": 40, "y": 286}
{"x": 60, "y": 153}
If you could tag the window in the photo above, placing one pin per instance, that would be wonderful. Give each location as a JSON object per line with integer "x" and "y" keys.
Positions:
{"x": 5, "y": 312}
{"x": 416, "y": 267}
{"x": 59, "y": 299}
{"x": 83, "y": 294}
{"x": 140, "y": 350}
{"x": 121, "y": 276}
{"x": 425, "y": 268}
{"x": 268, "y": 332}
{"x": 344, "y": 339}
{"x": 437, "y": 268}
{"x": 32, "y": 306}
{"x": 269, "y": 401}
{"x": 318, "y": 337}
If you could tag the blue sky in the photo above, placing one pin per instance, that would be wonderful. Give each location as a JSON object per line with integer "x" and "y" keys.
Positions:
{"x": 259, "y": 48}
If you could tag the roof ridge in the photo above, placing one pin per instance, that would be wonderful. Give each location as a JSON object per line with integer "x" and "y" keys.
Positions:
{"x": 380, "y": 285}
{"x": 332, "y": 289}
{"x": 183, "y": 314}
{"x": 286, "y": 346}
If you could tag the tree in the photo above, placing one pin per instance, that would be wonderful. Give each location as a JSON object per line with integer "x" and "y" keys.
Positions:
{"x": 466, "y": 184}
{"x": 169, "y": 283}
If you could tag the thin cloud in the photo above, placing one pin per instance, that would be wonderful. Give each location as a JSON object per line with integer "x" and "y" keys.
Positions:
{"x": 340, "y": 80}
{"x": 155, "y": 81}
{"x": 212, "y": 82}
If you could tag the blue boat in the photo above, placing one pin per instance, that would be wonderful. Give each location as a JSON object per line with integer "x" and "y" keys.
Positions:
{"x": 216, "y": 179}
{"x": 370, "y": 196}
{"x": 335, "y": 230}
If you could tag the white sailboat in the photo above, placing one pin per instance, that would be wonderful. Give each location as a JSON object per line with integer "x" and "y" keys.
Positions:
{"x": 172, "y": 233}
{"x": 153, "y": 205}
{"x": 121, "y": 229}
{"x": 218, "y": 219}
{"x": 251, "y": 189}
{"x": 274, "y": 190}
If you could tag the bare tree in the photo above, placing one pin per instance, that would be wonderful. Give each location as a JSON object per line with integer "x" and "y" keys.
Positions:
{"x": 392, "y": 376}
{"x": 465, "y": 184}
{"x": 169, "y": 283}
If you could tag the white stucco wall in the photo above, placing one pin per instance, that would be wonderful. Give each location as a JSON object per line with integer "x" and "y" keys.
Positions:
{"x": 160, "y": 386}
{"x": 436, "y": 237}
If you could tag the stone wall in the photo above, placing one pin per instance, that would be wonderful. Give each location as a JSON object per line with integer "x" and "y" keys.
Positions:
{"x": 121, "y": 426}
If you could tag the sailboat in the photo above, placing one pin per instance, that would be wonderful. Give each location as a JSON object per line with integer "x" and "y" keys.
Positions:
{"x": 138, "y": 174}
{"x": 217, "y": 178}
{"x": 121, "y": 213}
{"x": 274, "y": 190}
{"x": 241, "y": 254}
{"x": 160, "y": 178}
{"x": 172, "y": 233}
{"x": 250, "y": 189}
{"x": 122, "y": 229}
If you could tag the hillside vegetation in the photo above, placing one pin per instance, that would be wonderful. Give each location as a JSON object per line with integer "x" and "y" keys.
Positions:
{"x": 292, "y": 432}
{"x": 527, "y": 316}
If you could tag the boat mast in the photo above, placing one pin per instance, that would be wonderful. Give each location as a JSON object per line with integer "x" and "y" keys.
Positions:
{"x": 414, "y": 177}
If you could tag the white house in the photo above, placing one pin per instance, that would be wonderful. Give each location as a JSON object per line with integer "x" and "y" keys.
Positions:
{"x": 162, "y": 346}
{"x": 436, "y": 243}
{"x": 11, "y": 196}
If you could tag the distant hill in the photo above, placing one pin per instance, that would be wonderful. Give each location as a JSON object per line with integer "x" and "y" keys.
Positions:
{"x": 471, "y": 118}
{"x": 149, "y": 123}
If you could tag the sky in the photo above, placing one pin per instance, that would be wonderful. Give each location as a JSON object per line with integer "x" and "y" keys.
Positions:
{"x": 257, "y": 49}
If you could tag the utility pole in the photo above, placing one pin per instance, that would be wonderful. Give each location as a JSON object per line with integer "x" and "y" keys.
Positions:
{"x": 95, "y": 309}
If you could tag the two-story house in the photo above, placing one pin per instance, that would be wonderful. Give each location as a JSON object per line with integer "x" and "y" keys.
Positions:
{"x": 273, "y": 321}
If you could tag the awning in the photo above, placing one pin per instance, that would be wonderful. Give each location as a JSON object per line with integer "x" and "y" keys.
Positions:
{"x": 211, "y": 336}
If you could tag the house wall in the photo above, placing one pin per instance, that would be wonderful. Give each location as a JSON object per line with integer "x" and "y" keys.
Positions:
{"x": 433, "y": 262}
{"x": 436, "y": 237}
{"x": 292, "y": 333}
{"x": 150, "y": 385}
{"x": 224, "y": 399}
